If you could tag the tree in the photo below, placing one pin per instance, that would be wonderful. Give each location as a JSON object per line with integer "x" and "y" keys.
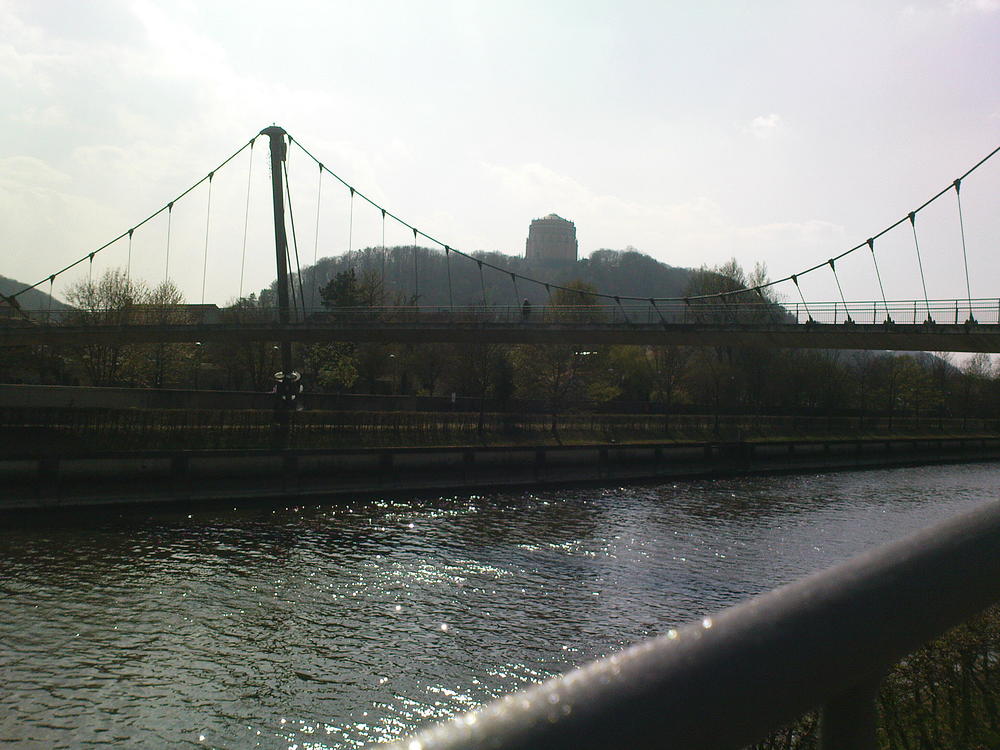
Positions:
{"x": 560, "y": 372}
{"x": 975, "y": 380}
{"x": 111, "y": 300}
{"x": 346, "y": 289}
{"x": 482, "y": 370}
{"x": 248, "y": 365}
{"x": 669, "y": 367}
{"x": 916, "y": 386}
{"x": 163, "y": 362}
{"x": 628, "y": 376}
{"x": 337, "y": 366}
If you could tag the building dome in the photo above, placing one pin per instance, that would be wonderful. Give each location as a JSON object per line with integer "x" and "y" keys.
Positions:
{"x": 551, "y": 238}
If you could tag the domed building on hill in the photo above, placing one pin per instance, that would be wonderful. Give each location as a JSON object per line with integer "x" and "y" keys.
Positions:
{"x": 551, "y": 239}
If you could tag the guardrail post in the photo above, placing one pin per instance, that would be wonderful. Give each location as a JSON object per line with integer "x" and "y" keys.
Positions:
{"x": 848, "y": 721}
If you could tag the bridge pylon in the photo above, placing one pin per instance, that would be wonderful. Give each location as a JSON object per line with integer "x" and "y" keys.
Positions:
{"x": 279, "y": 146}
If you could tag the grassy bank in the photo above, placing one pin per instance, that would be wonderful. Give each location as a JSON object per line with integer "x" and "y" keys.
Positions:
{"x": 944, "y": 696}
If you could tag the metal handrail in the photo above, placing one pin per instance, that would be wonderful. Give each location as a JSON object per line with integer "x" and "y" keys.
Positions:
{"x": 898, "y": 312}
{"x": 726, "y": 682}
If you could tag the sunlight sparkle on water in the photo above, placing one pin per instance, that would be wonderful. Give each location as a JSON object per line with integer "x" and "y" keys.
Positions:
{"x": 509, "y": 586}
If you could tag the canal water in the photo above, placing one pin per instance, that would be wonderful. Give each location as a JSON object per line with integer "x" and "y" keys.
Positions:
{"x": 342, "y": 625}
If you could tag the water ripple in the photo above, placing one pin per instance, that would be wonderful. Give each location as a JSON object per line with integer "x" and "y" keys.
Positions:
{"x": 341, "y": 626}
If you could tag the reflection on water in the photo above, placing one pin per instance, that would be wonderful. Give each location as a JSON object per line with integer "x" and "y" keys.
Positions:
{"x": 336, "y": 626}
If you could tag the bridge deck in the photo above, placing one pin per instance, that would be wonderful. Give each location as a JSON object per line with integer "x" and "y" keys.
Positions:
{"x": 900, "y": 337}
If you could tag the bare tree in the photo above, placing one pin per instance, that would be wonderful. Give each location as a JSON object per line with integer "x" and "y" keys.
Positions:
{"x": 111, "y": 300}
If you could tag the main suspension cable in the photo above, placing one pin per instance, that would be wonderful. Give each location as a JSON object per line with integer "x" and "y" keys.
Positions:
{"x": 133, "y": 228}
{"x": 611, "y": 297}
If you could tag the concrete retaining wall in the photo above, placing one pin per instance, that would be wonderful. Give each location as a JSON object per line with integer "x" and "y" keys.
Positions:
{"x": 128, "y": 478}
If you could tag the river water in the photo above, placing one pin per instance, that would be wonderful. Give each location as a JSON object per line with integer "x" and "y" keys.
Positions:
{"x": 338, "y": 626}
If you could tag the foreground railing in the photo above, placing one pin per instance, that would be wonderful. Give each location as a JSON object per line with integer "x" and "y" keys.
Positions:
{"x": 726, "y": 682}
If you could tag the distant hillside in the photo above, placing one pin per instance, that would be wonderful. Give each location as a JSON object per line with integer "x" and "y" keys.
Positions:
{"x": 33, "y": 299}
{"x": 610, "y": 271}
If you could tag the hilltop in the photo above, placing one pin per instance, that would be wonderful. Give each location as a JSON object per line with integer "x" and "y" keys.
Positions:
{"x": 623, "y": 272}
{"x": 33, "y": 299}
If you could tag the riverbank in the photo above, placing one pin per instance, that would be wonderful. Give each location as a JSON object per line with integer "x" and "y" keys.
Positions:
{"x": 35, "y": 479}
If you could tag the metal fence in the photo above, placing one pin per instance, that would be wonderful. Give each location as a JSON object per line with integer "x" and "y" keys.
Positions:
{"x": 727, "y": 681}
{"x": 95, "y": 429}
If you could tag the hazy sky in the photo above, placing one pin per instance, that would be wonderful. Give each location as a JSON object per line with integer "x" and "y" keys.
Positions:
{"x": 781, "y": 132}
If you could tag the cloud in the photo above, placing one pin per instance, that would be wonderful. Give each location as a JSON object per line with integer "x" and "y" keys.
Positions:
{"x": 809, "y": 241}
{"x": 928, "y": 12}
{"x": 546, "y": 190}
{"x": 27, "y": 172}
{"x": 765, "y": 126}
{"x": 689, "y": 233}
{"x": 973, "y": 6}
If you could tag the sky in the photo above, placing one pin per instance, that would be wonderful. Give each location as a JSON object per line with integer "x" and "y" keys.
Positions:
{"x": 773, "y": 132}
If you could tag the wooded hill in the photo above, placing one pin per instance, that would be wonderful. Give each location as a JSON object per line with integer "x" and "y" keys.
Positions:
{"x": 421, "y": 275}
{"x": 33, "y": 299}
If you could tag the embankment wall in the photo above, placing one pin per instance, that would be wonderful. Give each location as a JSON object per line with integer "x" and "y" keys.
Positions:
{"x": 35, "y": 481}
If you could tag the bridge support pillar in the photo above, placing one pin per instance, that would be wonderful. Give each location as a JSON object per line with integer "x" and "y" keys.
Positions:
{"x": 276, "y": 135}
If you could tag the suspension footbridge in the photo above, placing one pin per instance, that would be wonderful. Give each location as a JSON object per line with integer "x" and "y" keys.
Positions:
{"x": 743, "y": 316}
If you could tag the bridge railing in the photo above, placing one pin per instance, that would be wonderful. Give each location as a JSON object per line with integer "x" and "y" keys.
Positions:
{"x": 693, "y": 312}
{"x": 727, "y": 681}
{"x": 902, "y": 312}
